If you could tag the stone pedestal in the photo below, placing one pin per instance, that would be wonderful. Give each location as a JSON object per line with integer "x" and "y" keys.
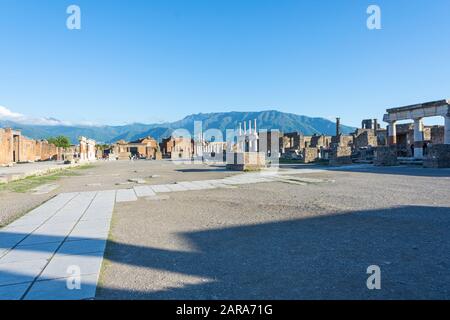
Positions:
{"x": 386, "y": 156}
{"x": 438, "y": 156}
{"x": 246, "y": 161}
{"x": 340, "y": 155}
{"x": 158, "y": 155}
{"x": 124, "y": 156}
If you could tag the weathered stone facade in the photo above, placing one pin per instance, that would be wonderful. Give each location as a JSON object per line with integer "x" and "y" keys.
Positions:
{"x": 363, "y": 138}
{"x": 438, "y": 156}
{"x": 340, "y": 155}
{"x": 177, "y": 148}
{"x": 318, "y": 141}
{"x": 15, "y": 148}
{"x": 386, "y": 156}
{"x": 310, "y": 155}
{"x": 143, "y": 148}
{"x": 6, "y": 146}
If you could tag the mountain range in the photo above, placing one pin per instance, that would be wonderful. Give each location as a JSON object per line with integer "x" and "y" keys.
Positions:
{"x": 271, "y": 119}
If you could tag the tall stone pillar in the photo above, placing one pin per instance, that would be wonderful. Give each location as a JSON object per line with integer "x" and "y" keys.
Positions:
{"x": 418, "y": 138}
{"x": 447, "y": 129}
{"x": 338, "y": 127}
{"x": 392, "y": 134}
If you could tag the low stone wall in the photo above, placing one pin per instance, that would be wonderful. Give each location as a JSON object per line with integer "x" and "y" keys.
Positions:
{"x": 438, "y": 156}
{"x": 386, "y": 156}
{"x": 244, "y": 161}
{"x": 340, "y": 155}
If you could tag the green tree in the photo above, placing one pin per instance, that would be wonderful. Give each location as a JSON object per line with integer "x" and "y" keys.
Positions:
{"x": 60, "y": 141}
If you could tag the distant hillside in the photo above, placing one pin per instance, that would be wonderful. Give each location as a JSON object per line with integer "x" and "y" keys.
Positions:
{"x": 285, "y": 122}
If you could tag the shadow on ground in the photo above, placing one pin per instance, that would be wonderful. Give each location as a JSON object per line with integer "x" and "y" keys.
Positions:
{"x": 313, "y": 258}
{"x": 316, "y": 258}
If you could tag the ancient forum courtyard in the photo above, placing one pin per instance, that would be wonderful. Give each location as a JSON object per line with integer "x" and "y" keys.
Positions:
{"x": 261, "y": 215}
{"x": 155, "y": 230}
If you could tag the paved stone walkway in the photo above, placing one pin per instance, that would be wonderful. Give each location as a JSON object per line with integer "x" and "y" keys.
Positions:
{"x": 38, "y": 253}
{"x": 66, "y": 236}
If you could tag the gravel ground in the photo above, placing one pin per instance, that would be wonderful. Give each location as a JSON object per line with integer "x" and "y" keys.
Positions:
{"x": 286, "y": 241}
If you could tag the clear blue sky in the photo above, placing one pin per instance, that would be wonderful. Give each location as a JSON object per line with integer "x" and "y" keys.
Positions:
{"x": 160, "y": 60}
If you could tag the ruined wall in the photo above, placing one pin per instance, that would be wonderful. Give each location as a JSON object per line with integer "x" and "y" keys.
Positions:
{"x": 364, "y": 138}
{"x": 45, "y": 151}
{"x": 310, "y": 155}
{"x": 6, "y": 147}
{"x": 25, "y": 148}
{"x": 342, "y": 140}
{"x": 438, "y": 156}
{"x": 386, "y": 156}
{"x": 320, "y": 141}
{"x": 177, "y": 148}
{"x": 340, "y": 155}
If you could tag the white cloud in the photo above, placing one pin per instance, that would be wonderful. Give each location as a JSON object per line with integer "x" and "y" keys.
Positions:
{"x": 7, "y": 114}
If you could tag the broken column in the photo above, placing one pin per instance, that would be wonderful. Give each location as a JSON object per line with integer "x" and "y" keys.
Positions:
{"x": 338, "y": 126}
{"x": 418, "y": 138}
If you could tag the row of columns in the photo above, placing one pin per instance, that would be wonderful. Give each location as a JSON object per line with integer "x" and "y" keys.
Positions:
{"x": 248, "y": 138}
{"x": 418, "y": 134}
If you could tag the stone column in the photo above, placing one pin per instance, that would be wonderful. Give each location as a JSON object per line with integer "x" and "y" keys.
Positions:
{"x": 447, "y": 129}
{"x": 392, "y": 139}
{"x": 418, "y": 138}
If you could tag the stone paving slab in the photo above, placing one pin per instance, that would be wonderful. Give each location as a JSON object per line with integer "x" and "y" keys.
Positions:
{"x": 82, "y": 246}
{"x": 176, "y": 187}
{"x": 58, "y": 267}
{"x": 190, "y": 186}
{"x": 30, "y": 253}
{"x": 160, "y": 188}
{"x": 203, "y": 185}
{"x": 13, "y": 292}
{"x": 39, "y": 215}
{"x": 69, "y": 230}
{"x": 57, "y": 289}
{"x": 20, "y": 272}
{"x": 144, "y": 191}
{"x": 125, "y": 195}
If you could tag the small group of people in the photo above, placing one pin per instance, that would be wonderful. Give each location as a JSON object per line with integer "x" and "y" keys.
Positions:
{"x": 426, "y": 146}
